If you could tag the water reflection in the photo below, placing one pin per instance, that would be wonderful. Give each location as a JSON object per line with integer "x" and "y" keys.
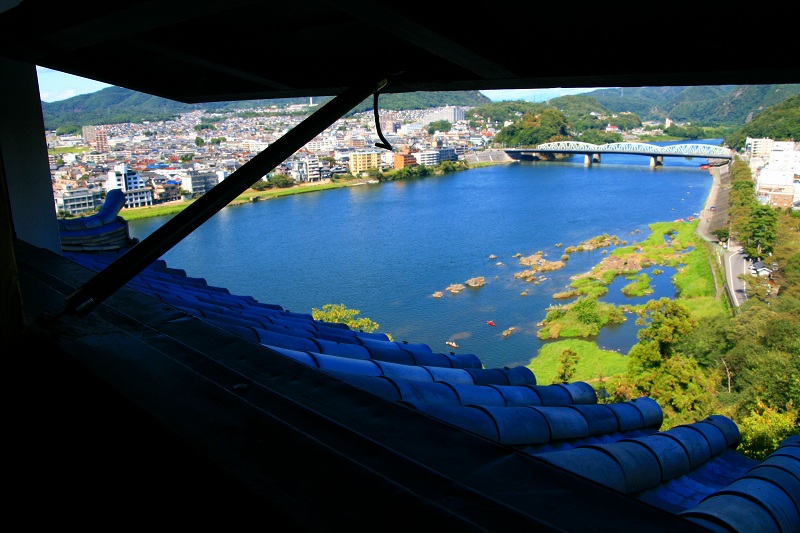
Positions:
{"x": 661, "y": 285}
{"x": 621, "y": 337}
{"x": 618, "y": 337}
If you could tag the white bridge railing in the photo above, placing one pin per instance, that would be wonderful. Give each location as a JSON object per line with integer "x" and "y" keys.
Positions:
{"x": 685, "y": 150}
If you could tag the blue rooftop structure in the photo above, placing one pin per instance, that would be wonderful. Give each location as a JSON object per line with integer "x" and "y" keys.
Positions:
{"x": 692, "y": 471}
{"x": 142, "y": 397}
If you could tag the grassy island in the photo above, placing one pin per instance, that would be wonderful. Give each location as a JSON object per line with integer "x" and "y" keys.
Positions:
{"x": 671, "y": 244}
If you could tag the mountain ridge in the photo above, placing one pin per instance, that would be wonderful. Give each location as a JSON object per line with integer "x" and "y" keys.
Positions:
{"x": 722, "y": 105}
{"x": 113, "y": 105}
{"x": 714, "y": 105}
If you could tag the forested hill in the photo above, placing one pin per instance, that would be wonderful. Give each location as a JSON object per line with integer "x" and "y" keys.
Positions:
{"x": 114, "y": 105}
{"x": 717, "y": 105}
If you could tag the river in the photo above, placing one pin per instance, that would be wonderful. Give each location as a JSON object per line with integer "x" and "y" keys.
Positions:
{"x": 385, "y": 249}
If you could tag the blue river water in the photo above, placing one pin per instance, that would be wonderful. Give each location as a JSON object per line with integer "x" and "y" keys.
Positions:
{"x": 385, "y": 249}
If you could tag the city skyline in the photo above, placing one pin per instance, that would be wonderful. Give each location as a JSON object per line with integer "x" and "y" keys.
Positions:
{"x": 55, "y": 86}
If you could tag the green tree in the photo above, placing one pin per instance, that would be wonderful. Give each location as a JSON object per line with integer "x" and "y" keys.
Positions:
{"x": 339, "y": 313}
{"x": 722, "y": 234}
{"x": 199, "y": 141}
{"x": 685, "y": 132}
{"x": 531, "y": 130}
{"x": 261, "y": 185}
{"x": 205, "y": 126}
{"x": 685, "y": 391}
{"x": 566, "y": 366}
{"x": 439, "y": 125}
{"x": 281, "y": 181}
{"x": 625, "y": 121}
{"x": 665, "y": 320}
{"x": 69, "y": 129}
{"x": 708, "y": 343}
{"x": 760, "y": 231}
{"x": 600, "y": 137}
{"x": 772, "y": 378}
{"x": 764, "y": 428}
{"x": 586, "y": 311}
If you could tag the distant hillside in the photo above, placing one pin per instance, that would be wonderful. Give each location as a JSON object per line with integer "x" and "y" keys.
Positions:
{"x": 717, "y": 105}
{"x": 780, "y": 122}
{"x": 114, "y": 105}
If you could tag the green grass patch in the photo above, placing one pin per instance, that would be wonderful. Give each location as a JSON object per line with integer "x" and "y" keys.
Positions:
{"x": 673, "y": 244}
{"x": 249, "y": 195}
{"x": 591, "y": 287}
{"x": 593, "y": 364}
{"x": 639, "y": 286}
{"x": 582, "y": 318}
{"x": 68, "y": 150}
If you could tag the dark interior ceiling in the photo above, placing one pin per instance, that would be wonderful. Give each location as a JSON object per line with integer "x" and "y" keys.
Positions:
{"x": 202, "y": 50}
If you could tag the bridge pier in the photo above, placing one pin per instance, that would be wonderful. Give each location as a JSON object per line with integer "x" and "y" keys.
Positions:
{"x": 656, "y": 161}
{"x": 588, "y": 159}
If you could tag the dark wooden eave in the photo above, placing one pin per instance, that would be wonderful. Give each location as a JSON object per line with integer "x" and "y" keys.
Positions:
{"x": 205, "y": 50}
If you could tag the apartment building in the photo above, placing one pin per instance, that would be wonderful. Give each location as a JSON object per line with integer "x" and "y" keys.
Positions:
{"x": 758, "y": 147}
{"x": 451, "y": 114}
{"x": 403, "y": 160}
{"x": 785, "y": 155}
{"x": 363, "y": 161}
{"x": 306, "y": 170}
{"x": 164, "y": 189}
{"x": 777, "y": 172}
{"x": 199, "y": 182}
{"x": 447, "y": 153}
{"x": 79, "y": 201}
{"x": 96, "y": 137}
{"x": 427, "y": 158}
{"x": 137, "y": 193}
{"x": 778, "y": 196}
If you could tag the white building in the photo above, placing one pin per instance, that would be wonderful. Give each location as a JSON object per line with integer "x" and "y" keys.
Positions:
{"x": 306, "y": 169}
{"x": 78, "y": 201}
{"x": 776, "y": 173}
{"x": 758, "y": 147}
{"x": 451, "y": 114}
{"x": 411, "y": 129}
{"x": 200, "y": 182}
{"x": 255, "y": 146}
{"x": 427, "y": 158}
{"x": 785, "y": 155}
{"x": 137, "y": 193}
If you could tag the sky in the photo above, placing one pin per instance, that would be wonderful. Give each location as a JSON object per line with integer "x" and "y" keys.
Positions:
{"x": 536, "y": 95}
{"x": 55, "y": 86}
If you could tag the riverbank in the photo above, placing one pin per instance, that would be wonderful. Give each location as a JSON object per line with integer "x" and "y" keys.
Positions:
{"x": 715, "y": 211}
{"x": 487, "y": 158}
{"x": 250, "y": 195}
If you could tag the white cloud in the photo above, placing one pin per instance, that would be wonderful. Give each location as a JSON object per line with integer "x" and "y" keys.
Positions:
{"x": 55, "y": 86}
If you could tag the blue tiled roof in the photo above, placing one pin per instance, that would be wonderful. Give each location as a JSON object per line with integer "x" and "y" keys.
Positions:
{"x": 692, "y": 470}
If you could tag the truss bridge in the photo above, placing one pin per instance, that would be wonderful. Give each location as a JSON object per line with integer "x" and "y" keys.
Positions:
{"x": 593, "y": 152}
